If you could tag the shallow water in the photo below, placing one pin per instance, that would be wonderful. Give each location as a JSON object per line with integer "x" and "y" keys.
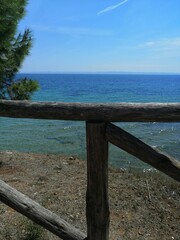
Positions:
{"x": 68, "y": 137}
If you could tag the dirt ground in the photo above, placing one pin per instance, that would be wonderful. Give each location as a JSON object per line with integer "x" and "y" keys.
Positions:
{"x": 143, "y": 205}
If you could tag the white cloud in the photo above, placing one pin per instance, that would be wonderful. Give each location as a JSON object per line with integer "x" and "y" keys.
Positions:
{"x": 149, "y": 44}
{"x": 171, "y": 44}
{"x": 73, "y": 30}
{"x": 110, "y": 8}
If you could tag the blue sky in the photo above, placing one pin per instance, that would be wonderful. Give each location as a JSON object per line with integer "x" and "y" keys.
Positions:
{"x": 103, "y": 36}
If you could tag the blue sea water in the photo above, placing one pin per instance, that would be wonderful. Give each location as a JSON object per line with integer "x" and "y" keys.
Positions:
{"x": 68, "y": 137}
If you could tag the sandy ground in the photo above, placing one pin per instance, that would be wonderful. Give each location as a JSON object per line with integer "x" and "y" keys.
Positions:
{"x": 143, "y": 205}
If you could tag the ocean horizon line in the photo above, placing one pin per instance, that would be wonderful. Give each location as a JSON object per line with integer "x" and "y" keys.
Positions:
{"x": 106, "y": 72}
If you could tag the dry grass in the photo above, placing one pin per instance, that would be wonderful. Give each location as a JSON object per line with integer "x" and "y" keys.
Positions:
{"x": 143, "y": 205}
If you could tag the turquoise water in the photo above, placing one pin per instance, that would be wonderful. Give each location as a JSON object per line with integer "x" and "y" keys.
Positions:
{"x": 68, "y": 138}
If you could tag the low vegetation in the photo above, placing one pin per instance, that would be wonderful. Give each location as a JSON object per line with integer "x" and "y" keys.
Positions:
{"x": 143, "y": 205}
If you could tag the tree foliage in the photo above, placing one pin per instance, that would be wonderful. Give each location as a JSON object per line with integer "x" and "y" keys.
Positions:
{"x": 14, "y": 47}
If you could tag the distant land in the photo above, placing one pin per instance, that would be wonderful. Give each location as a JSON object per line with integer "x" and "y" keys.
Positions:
{"x": 108, "y": 72}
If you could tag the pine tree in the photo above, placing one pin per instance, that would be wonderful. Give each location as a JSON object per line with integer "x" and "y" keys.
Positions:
{"x": 14, "y": 48}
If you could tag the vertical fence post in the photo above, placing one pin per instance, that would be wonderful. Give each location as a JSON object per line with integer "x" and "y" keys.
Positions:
{"x": 97, "y": 206}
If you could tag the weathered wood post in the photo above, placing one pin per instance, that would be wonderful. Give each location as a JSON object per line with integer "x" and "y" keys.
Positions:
{"x": 97, "y": 206}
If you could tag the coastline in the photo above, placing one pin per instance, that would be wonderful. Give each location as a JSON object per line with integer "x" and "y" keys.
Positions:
{"x": 143, "y": 205}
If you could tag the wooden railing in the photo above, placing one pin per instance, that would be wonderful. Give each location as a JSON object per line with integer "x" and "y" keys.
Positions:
{"x": 99, "y": 131}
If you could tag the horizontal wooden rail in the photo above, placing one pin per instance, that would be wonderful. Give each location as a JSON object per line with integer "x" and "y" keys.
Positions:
{"x": 99, "y": 133}
{"x": 23, "y": 204}
{"x": 137, "y": 148}
{"x": 114, "y": 112}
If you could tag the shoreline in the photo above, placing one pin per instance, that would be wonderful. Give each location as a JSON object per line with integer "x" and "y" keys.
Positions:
{"x": 124, "y": 167}
{"x": 143, "y": 205}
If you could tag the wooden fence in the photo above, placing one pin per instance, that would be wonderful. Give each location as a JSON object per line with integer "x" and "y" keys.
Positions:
{"x": 99, "y": 131}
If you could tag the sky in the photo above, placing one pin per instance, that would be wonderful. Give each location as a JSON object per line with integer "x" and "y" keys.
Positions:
{"x": 103, "y": 36}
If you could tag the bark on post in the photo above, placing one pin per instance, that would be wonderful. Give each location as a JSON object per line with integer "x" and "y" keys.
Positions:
{"x": 102, "y": 112}
{"x": 97, "y": 206}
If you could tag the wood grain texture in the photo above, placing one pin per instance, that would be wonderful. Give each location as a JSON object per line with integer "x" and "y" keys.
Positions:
{"x": 97, "y": 206}
{"x": 137, "y": 148}
{"x": 114, "y": 112}
{"x": 21, "y": 203}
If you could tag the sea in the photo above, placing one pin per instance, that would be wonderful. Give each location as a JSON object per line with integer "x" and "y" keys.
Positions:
{"x": 69, "y": 137}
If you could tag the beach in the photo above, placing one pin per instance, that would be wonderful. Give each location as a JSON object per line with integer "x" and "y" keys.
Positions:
{"x": 143, "y": 204}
